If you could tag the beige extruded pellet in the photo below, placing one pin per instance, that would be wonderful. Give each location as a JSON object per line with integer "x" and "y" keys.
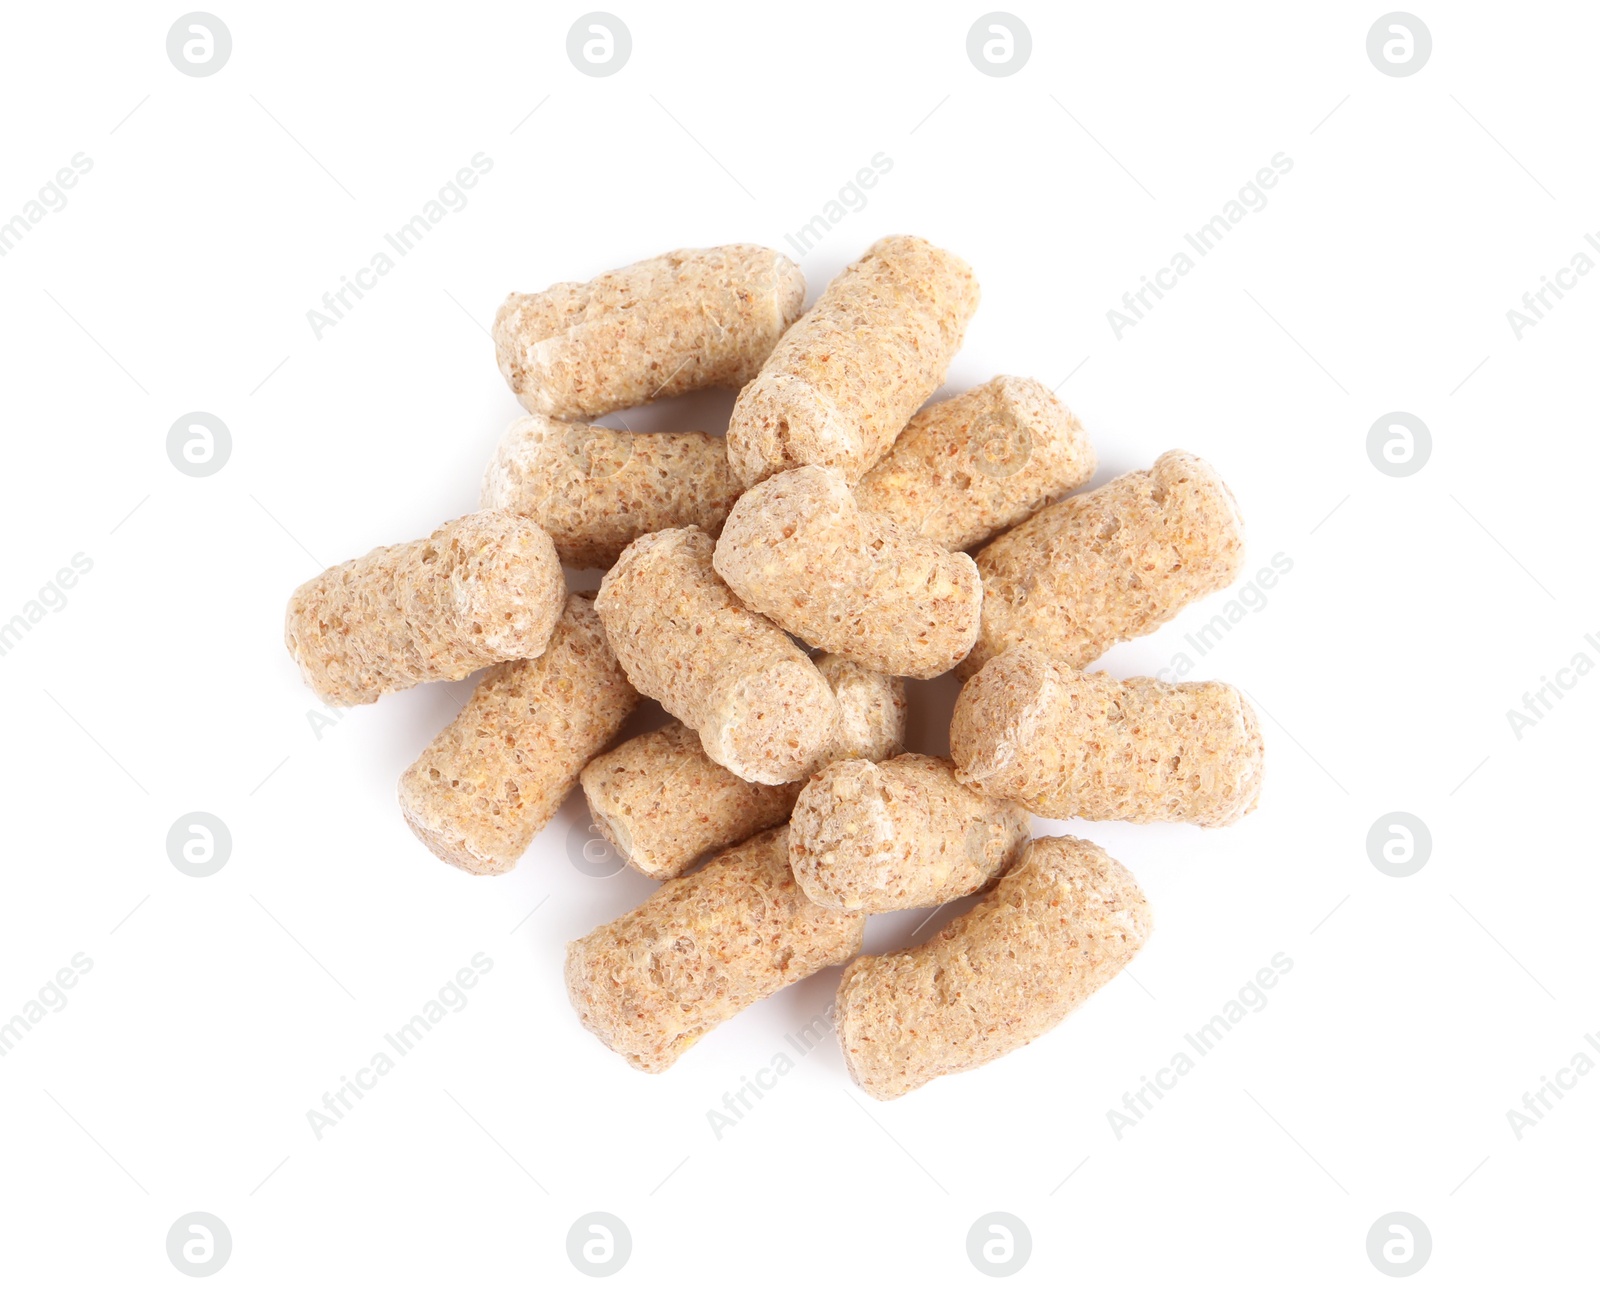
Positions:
{"x": 700, "y": 950}
{"x": 759, "y": 704}
{"x": 495, "y": 776}
{"x": 1068, "y": 743}
{"x": 968, "y": 467}
{"x": 595, "y": 489}
{"x": 1109, "y": 565}
{"x": 663, "y": 804}
{"x": 798, "y": 549}
{"x": 1062, "y": 923}
{"x": 679, "y": 322}
{"x": 480, "y": 590}
{"x": 899, "y": 835}
{"x": 846, "y": 378}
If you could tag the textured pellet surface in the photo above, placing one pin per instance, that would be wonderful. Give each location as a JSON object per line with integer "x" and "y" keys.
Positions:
{"x": 702, "y": 948}
{"x": 1069, "y": 743}
{"x": 1060, "y": 925}
{"x": 798, "y": 549}
{"x": 899, "y": 835}
{"x": 760, "y": 706}
{"x": 678, "y": 322}
{"x": 663, "y": 803}
{"x": 1111, "y": 564}
{"x": 496, "y": 775}
{"x": 846, "y": 378}
{"x": 595, "y": 489}
{"x": 480, "y": 590}
{"x": 970, "y": 466}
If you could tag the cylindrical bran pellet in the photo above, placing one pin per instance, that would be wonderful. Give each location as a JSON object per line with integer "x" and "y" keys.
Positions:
{"x": 846, "y": 378}
{"x": 899, "y": 835}
{"x": 970, "y": 466}
{"x": 595, "y": 489}
{"x": 480, "y": 590}
{"x": 798, "y": 549}
{"x": 679, "y": 322}
{"x": 702, "y": 948}
{"x": 1068, "y": 743}
{"x": 759, "y": 704}
{"x": 1062, "y": 923}
{"x": 496, "y": 775}
{"x": 1109, "y": 565}
{"x": 663, "y": 804}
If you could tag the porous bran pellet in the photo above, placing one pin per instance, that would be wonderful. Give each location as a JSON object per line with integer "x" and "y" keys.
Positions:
{"x": 1111, "y": 564}
{"x": 970, "y": 466}
{"x": 1062, "y": 923}
{"x": 845, "y": 379}
{"x": 798, "y": 549}
{"x": 760, "y": 706}
{"x": 899, "y": 835}
{"x": 496, "y": 775}
{"x": 678, "y": 322}
{"x": 663, "y": 804}
{"x": 480, "y": 590}
{"x": 702, "y": 948}
{"x": 595, "y": 489}
{"x": 1067, "y": 743}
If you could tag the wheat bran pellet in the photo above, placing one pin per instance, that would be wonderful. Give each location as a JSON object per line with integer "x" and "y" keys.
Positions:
{"x": 1068, "y": 743}
{"x": 1109, "y": 565}
{"x": 663, "y": 804}
{"x": 701, "y": 949}
{"x": 968, "y": 467}
{"x": 495, "y": 776}
{"x": 798, "y": 549}
{"x": 480, "y": 590}
{"x": 760, "y": 706}
{"x": 1062, "y": 923}
{"x": 899, "y": 835}
{"x": 595, "y": 489}
{"x": 845, "y": 379}
{"x": 662, "y": 327}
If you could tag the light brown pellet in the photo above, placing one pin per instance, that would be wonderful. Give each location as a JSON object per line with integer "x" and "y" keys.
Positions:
{"x": 899, "y": 835}
{"x": 663, "y": 803}
{"x": 1069, "y": 743}
{"x": 759, "y": 704}
{"x": 700, "y": 950}
{"x": 595, "y": 489}
{"x": 846, "y": 378}
{"x": 496, "y": 775}
{"x": 968, "y": 467}
{"x": 798, "y": 549}
{"x": 1061, "y": 924}
{"x": 1109, "y": 565}
{"x": 679, "y": 322}
{"x": 482, "y": 589}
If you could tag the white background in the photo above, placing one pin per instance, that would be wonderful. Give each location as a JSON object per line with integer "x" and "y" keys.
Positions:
{"x": 218, "y": 1011}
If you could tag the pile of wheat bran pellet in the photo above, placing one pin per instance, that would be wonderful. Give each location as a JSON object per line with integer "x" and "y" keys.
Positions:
{"x": 770, "y": 589}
